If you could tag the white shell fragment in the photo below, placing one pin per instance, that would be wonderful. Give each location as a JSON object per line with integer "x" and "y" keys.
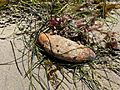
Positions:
{"x": 65, "y": 49}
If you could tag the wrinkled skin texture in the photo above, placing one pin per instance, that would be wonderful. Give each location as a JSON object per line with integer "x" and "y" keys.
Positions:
{"x": 65, "y": 49}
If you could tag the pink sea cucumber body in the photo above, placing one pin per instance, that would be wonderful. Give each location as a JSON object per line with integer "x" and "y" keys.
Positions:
{"x": 65, "y": 49}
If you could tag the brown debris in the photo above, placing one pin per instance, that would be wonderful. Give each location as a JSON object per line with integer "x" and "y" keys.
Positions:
{"x": 111, "y": 40}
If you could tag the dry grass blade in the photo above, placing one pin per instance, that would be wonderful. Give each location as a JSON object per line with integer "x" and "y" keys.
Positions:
{"x": 15, "y": 58}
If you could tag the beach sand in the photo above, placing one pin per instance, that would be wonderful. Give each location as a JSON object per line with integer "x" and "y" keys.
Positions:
{"x": 10, "y": 78}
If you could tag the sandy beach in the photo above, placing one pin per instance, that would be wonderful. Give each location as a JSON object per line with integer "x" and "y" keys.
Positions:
{"x": 10, "y": 78}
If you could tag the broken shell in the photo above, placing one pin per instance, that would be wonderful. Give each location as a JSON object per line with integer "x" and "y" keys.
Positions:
{"x": 65, "y": 49}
